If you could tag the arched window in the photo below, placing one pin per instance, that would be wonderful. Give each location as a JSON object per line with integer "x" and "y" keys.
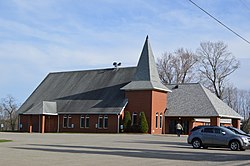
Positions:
{"x": 100, "y": 121}
{"x": 161, "y": 120}
{"x": 134, "y": 118}
{"x": 82, "y": 121}
{"x": 156, "y": 120}
{"x": 65, "y": 121}
{"x": 87, "y": 121}
{"x": 105, "y": 125}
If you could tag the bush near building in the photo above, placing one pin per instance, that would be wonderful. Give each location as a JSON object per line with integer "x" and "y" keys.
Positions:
{"x": 143, "y": 124}
{"x": 127, "y": 122}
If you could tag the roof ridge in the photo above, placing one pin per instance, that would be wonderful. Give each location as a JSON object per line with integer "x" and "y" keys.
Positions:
{"x": 204, "y": 91}
{"x": 89, "y": 70}
{"x": 188, "y": 83}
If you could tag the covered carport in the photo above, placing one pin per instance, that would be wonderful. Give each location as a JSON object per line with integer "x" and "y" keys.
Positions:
{"x": 40, "y": 118}
{"x": 189, "y": 102}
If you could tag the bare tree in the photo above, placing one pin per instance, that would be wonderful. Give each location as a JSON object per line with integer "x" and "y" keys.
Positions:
{"x": 166, "y": 68}
{"x": 216, "y": 64}
{"x": 177, "y": 67}
{"x": 10, "y": 107}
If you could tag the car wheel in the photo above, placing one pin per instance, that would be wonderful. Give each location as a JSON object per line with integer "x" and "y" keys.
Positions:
{"x": 196, "y": 143}
{"x": 234, "y": 145}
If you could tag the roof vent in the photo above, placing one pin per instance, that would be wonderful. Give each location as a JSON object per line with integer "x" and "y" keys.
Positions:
{"x": 116, "y": 64}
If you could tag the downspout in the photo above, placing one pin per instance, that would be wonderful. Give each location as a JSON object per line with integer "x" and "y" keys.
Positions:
{"x": 118, "y": 116}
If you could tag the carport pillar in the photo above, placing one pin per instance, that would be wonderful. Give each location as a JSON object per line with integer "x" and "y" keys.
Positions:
{"x": 43, "y": 124}
{"x": 236, "y": 123}
{"x": 30, "y": 124}
{"x": 215, "y": 121}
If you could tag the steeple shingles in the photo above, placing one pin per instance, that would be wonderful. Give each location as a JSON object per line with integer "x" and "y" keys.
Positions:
{"x": 146, "y": 76}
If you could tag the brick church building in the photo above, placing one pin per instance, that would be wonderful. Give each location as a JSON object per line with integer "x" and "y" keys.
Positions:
{"x": 94, "y": 101}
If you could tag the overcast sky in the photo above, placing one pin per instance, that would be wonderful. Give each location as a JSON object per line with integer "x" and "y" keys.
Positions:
{"x": 42, "y": 36}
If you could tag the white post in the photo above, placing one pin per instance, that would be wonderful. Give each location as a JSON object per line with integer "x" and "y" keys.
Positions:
{"x": 118, "y": 125}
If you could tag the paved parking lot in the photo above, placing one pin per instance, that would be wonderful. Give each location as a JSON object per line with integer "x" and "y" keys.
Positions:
{"x": 110, "y": 149}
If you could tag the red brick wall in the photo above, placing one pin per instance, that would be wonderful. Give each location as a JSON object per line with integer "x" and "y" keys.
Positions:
{"x": 51, "y": 123}
{"x": 215, "y": 121}
{"x": 26, "y": 120}
{"x": 140, "y": 101}
{"x": 159, "y": 105}
{"x": 93, "y": 119}
{"x": 148, "y": 102}
{"x": 236, "y": 123}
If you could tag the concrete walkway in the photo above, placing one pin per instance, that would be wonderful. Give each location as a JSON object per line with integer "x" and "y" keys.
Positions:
{"x": 111, "y": 150}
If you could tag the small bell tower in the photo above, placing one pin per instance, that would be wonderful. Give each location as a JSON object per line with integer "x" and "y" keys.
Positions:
{"x": 146, "y": 93}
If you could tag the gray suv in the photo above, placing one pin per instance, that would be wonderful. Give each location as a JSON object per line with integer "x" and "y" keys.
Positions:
{"x": 205, "y": 136}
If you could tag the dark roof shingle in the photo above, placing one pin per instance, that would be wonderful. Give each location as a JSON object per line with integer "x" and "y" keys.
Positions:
{"x": 91, "y": 91}
{"x": 194, "y": 100}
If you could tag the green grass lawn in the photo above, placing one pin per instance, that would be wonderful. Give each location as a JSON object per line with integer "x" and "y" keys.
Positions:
{"x": 4, "y": 140}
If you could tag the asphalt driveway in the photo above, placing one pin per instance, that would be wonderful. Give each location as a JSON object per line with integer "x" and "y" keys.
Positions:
{"x": 110, "y": 149}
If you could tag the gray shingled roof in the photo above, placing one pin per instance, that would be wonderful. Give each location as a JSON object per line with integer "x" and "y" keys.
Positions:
{"x": 91, "y": 91}
{"x": 146, "y": 76}
{"x": 194, "y": 100}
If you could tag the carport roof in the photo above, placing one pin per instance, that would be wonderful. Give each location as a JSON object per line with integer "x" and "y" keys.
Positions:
{"x": 194, "y": 100}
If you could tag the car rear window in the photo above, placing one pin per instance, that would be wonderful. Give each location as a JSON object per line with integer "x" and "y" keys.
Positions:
{"x": 195, "y": 128}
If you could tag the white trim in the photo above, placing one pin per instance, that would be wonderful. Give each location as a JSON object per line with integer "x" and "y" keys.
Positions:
{"x": 118, "y": 123}
{"x": 98, "y": 126}
{"x": 156, "y": 120}
{"x": 89, "y": 113}
{"x": 87, "y": 117}
{"x": 82, "y": 117}
{"x": 134, "y": 113}
{"x": 123, "y": 108}
{"x": 161, "y": 120}
{"x": 105, "y": 117}
{"x": 39, "y": 114}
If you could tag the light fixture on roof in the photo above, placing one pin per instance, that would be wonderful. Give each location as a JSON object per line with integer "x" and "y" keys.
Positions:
{"x": 116, "y": 64}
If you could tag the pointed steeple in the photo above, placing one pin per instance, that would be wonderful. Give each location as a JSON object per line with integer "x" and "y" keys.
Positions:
{"x": 146, "y": 76}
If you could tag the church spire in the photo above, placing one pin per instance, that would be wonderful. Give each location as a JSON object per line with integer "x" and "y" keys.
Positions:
{"x": 146, "y": 76}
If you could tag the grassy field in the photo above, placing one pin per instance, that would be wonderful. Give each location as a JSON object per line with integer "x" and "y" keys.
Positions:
{"x": 4, "y": 140}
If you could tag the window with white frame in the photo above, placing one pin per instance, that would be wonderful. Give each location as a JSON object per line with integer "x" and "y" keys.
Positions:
{"x": 100, "y": 121}
{"x": 134, "y": 118}
{"x": 87, "y": 121}
{"x": 70, "y": 125}
{"x": 156, "y": 120}
{"x": 105, "y": 123}
{"x": 82, "y": 121}
{"x": 67, "y": 121}
{"x": 161, "y": 120}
